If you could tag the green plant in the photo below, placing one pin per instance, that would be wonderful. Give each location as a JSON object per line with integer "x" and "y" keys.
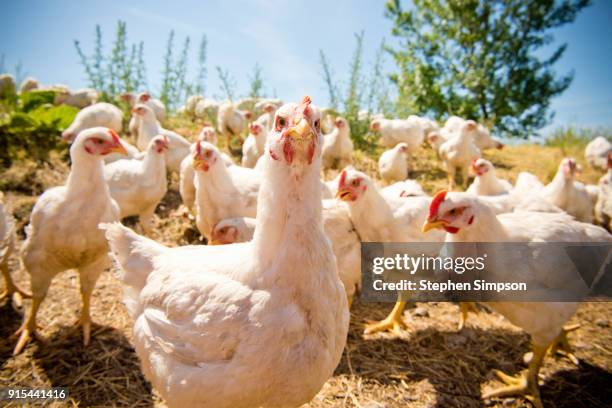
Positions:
{"x": 122, "y": 70}
{"x": 200, "y": 80}
{"x": 174, "y": 87}
{"x": 228, "y": 83}
{"x": 328, "y": 78}
{"x": 256, "y": 83}
{"x": 360, "y": 93}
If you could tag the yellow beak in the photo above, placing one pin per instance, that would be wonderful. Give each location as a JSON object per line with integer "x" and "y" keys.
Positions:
{"x": 432, "y": 224}
{"x": 196, "y": 163}
{"x": 120, "y": 150}
{"x": 300, "y": 131}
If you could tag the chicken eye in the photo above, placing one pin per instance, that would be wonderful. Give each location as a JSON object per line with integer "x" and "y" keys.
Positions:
{"x": 317, "y": 124}
{"x": 280, "y": 122}
{"x": 208, "y": 154}
{"x": 355, "y": 183}
{"x": 98, "y": 141}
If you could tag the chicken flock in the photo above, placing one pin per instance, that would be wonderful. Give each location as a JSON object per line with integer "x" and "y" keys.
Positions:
{"x": 227, "y": 324}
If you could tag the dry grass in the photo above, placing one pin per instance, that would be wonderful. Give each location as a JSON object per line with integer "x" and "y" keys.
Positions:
{"x": 429, "y": 365}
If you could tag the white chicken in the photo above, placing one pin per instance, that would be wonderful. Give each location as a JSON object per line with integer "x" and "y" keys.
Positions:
{"x": 231, "y": 121}
{"x": 233, "y": 230}
{"x": 486, "y": 182}
{"x": 480, "y": 134}
{"x": 467, "y": 219}
{"x": 569, "y": 195}
{"x": 428, "y": 125}
{"x": 187, "y": 173}
{"x": 267, "y": 117}
{"x": 149, "y": 127}
{"x": 205, "y": 329}
{"x": 208, "y": 134}
{"x": 145, "y": 98}
{"x": 338, "y": 228}
{"x": 596, "y": 152}
{"x": 139, "y": 185}
{"x": 206, "y": 109}
{"x": 405, "y": 188}
{"x": 346, "y": 245}
{"x": 337, "y": 145}
{"x": 393, "y": 163}
{"x": 394, "y": 131}
{"x": 7, "y": 246}
{"x": 63, "y": 232}
{"x": 459, "y": 152}
{"x": 99, "y": 114}
{"x": 603, "y": 207}
{"x": 221, "y": 192}
{"x": 379, "y": 218}
{"x": 156, "y": 105}
{"x": 254, "y": 145}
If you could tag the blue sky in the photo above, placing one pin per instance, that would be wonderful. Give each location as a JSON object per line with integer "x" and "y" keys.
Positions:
{"x": 283, "y": 37}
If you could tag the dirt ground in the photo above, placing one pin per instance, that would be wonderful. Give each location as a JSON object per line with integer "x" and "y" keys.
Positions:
{"x": 430, "y": 364}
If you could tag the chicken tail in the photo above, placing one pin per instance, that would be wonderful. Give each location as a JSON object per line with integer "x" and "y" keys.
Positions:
{"x": 133, "y": 255}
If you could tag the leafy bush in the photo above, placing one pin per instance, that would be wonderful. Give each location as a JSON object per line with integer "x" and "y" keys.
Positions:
{"x": 33, "y": 99}
{"x": 32, "y": 128}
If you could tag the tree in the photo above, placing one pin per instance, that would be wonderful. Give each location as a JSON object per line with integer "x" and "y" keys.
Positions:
{"x": 478, "y": 59}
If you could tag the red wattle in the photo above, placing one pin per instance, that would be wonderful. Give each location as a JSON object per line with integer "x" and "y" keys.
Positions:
{"x": 451, "y": 230}
{"x": 311, "y": 151}
{"x": 288, "y": 151}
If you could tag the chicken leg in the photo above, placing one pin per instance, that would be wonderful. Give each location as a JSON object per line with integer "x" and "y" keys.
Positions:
{"x": 524, "y": 384}
{"x": 28, "y": 328}
{"x": 88, "y": 277}
{"x": 147, "y": 219}
{"x": 12, "y": 291}
{"x": 392, "y": 322}
{"x": 561, "y": 345}
{"x": 465, "y": 308}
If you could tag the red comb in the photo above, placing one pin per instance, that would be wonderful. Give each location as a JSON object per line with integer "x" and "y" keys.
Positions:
{"x": 198, "y": 148}
{"x": 435, "y": 203}
{"x": 305, "y": 106}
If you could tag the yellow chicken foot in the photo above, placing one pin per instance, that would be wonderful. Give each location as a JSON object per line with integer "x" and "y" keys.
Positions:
{"x": 85, "y": 319}
{"x": 393, "y": 322}
{"x": 561, "y": 345}
{"x": 465, "y": 308}
{"x": 28, "y": 328}
{"x": 525, "y": 384}
{"x": 12, "y": 291}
